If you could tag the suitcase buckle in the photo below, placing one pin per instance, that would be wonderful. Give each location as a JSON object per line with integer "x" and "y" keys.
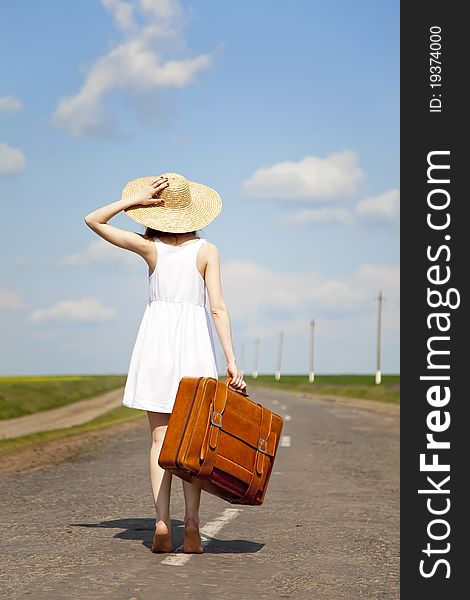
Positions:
{"x": 263, "y": 445}
{"x": 216, "y": 415}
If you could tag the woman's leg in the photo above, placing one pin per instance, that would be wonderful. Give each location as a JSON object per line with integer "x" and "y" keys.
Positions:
{"x": 161, "y": 482}
{"x": 192, "y": 499}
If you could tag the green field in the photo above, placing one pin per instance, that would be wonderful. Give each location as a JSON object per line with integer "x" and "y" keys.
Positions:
{"x": 26, "y": 395}
{"x": 350, "y": 386}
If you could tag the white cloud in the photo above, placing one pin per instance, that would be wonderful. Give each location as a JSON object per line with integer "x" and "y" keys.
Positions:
{"x": 317, "y": 216}
{"x": 344, "y": 309}
{"x": 123, "y": 13}
{"x": 384, "y": 207}
{"x": 283, "y": 296}
{"x": 138, "y": 64}
{"x": 375, "y": 277}
{"x": 163, "y": 9}
{"x": 12, "y": 160}
{"x": 8, "y": 104}
{"x": 310, "y": 179}
{"x": 10, "y": 300}
{"x": 100, "y": 251}
{"x": 83, "y": 310}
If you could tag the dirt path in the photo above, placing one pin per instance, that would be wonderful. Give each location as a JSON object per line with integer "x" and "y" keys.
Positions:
{"x": 64, "y": 416}
{"x": 328, "y": 530}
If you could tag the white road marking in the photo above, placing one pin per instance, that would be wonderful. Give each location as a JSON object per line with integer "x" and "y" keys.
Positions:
{"x": 283, "y": 406}
{"x": 207, "y": 532}
{"x": 285, "y": 441}
{"x": 275, "y": 401}
{"x": 287, "y": 417}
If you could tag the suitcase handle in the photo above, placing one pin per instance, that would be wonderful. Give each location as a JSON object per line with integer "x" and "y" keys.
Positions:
{"x": 243, "y": 392}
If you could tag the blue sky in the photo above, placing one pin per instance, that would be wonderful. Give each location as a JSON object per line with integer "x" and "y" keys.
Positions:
{"x": 289, "y": 110}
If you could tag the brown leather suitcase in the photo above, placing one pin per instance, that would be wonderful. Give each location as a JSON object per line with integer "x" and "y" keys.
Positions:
{"x": 220, "y": 435}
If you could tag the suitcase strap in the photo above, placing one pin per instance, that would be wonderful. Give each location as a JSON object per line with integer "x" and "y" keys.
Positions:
{"x": 216, "y": 410}
{"x": 260, "y": 457}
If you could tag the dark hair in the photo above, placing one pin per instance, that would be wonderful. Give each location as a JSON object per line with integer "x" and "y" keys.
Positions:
{"x": 156, "y": 232}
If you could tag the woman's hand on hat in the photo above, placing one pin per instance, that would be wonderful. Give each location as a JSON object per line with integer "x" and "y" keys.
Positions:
{"x": 148, "y": 195}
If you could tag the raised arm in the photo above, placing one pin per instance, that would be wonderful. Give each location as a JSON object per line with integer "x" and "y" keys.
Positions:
{"x": 220, "y": 314}
{"x": 98, "y": 219}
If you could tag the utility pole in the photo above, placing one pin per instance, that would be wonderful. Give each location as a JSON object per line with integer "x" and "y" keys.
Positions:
{"x": 311, "y": 375}
{"x": 279, "y": 358}
{"x": 378, "y": 374}
{"x": 255, "y": 368}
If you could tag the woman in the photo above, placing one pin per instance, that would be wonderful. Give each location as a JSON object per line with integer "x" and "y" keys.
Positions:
{"x": 174, "y": 339}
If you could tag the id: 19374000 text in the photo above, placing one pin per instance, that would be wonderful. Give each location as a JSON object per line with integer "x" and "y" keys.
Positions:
{"x": 435, "y": 69}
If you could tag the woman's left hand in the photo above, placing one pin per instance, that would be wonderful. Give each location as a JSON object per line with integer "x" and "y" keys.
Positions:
{"x": 236, "y": 375}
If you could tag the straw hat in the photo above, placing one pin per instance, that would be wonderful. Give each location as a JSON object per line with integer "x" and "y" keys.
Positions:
{"x": 188, "y": 205}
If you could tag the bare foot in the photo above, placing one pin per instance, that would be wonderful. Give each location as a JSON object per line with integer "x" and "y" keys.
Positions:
{"x": 162, "y": 538}
{"x": 192, "y": 539}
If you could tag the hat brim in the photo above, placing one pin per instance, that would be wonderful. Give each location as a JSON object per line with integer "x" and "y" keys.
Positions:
{"x": 204, "y": 207}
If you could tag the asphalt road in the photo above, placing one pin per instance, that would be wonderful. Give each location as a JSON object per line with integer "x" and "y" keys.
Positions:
{"x": 328, "y": 529}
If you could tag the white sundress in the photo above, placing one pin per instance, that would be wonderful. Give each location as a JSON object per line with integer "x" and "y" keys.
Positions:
{"x": 175, "y": 337}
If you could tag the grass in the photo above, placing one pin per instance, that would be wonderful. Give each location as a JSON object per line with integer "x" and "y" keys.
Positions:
{"x": 351, "y": 386}
{"x": 26, "y": 395}
{"x": 114, "y": 416}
